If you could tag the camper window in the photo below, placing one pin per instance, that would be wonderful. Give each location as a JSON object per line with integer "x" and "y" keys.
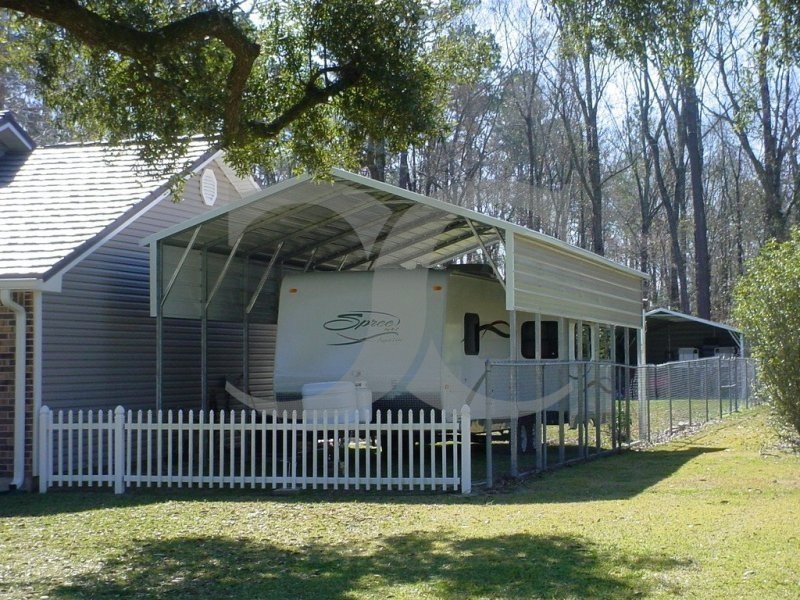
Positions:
{"x": 528, "y": 339}
{"x": 472, "y": 338}
{"x": 549, "y": 339}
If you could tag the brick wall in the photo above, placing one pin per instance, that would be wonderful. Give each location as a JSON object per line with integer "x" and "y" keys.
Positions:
{"x": 7, "y": 391}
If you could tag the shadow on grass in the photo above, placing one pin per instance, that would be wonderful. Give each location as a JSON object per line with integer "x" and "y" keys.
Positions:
{"x": 419, "y": 565}
{"x": 614, "y": 477}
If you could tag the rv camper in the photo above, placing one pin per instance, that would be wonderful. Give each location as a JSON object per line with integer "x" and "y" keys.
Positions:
{"x": 399, "y": 333}
{"x": 414, "y": 338}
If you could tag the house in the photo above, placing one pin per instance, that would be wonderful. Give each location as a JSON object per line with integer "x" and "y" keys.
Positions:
{"x": 673, "y": 336}
{"x": 75, "y": 328}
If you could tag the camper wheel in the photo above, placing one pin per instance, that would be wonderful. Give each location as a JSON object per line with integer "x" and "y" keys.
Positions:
{"x": 525, "y": 435}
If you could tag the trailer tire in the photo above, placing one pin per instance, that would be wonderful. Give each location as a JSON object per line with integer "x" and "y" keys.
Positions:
{"x": 525, "y": 436}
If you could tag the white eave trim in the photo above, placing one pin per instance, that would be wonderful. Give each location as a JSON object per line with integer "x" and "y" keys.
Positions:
{"x": 53, "y": 284}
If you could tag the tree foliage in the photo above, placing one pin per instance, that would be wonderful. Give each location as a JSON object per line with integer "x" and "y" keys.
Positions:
{"x": 316, "y": 76}
{"x": 767, "y": 307}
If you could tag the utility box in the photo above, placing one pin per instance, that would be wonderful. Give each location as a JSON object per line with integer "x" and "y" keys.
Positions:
{"x": 688, "y": 353}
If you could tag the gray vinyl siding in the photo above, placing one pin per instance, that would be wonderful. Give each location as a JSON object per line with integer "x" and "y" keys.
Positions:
{"x": 99, "y": 340}
{"x": 182, "y": 364}
{"x": 225, "y": 358}
{"x": 262, "y": 359}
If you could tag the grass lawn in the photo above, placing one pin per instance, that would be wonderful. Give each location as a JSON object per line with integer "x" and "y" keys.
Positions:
{"x": 716, "y": 515}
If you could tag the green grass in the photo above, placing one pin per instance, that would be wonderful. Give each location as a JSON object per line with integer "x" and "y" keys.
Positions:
{"x": 715, "y": 515}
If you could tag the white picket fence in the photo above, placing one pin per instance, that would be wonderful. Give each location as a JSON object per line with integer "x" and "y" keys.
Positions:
{"x": 249, "y": 449}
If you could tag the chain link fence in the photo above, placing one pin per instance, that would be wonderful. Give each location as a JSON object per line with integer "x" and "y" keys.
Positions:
{"x": 543, "y": 414}
{"x": 681, "y": 396}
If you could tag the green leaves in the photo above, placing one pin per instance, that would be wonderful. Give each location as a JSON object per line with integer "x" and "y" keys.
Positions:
{"x": 767, "y": 307}
{"x": 313, "y": 76}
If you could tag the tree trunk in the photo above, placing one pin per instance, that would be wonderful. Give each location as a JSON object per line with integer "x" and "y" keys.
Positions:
{"x": 593, "y": 157}
{"x": 694, "y": 148}
{"x": 376, "y": 159}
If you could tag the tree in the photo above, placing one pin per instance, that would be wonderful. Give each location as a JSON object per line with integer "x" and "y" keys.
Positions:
{"x": 759, "y": 101}
{"x": 18, "y": 91}
{"x": 586, "y": 72}
{"x": 767, "y": 307}
{"x": 318, "y": 76}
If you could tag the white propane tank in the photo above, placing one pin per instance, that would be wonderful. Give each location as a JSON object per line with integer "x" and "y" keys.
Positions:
{"x": 363, "y": 401}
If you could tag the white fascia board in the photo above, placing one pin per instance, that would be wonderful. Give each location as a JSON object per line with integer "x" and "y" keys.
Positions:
{"x": 234, "y": 178}
{"x": 209, "y": 159}
{"x": 109, "y": 233}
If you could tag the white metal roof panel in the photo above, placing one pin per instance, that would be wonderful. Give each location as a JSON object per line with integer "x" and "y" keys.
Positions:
{"x": 666, "y": 314}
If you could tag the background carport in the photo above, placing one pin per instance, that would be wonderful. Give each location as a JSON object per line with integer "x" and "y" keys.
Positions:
{"x": 669, "y": 331}
{"x": 222, "y": 271}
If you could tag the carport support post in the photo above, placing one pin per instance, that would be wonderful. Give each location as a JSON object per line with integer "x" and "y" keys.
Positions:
{"x": 246, "y": 331}
{"x": 644, "y": 404}
{"x": 159, "y": 325}
{"x": 514, "y": 388}
{"x": 204, "y": 335}
{"x": 487, "y": 428}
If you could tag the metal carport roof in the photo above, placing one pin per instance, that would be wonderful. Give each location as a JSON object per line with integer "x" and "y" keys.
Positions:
{"x": 351, "y": 222}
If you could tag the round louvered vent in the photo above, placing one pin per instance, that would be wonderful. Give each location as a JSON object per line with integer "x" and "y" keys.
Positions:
{"x": 208, "y": 187}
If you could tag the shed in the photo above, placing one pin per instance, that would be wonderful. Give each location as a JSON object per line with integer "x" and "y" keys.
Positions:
{"x": 75, "y": 330}
{"x": 673, "y": 335}
{"x": 225, "y": 267}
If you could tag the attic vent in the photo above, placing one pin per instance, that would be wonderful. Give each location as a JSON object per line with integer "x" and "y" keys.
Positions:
{"x": 208, "y": 187}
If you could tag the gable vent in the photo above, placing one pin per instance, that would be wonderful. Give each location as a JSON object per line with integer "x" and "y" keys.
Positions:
{"x": 208, "y": 187}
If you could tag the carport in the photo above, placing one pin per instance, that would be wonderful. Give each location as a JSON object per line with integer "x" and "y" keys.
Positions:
{"x": 215, "y": 278}
{"x": 673, "y": 335}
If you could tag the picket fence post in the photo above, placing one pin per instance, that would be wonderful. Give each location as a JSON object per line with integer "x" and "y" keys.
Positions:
{"x": 45, "y": 450}
{"x": 119, "y": 450}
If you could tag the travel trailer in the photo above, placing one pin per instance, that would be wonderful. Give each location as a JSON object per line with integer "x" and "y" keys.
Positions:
{"x": 416, "y": 339}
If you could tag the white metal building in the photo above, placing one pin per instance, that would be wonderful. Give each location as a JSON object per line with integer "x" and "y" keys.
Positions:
{"x": 225, "y": 267}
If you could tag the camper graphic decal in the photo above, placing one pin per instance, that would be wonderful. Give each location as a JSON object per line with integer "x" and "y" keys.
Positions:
{"x": 358, "y": 326}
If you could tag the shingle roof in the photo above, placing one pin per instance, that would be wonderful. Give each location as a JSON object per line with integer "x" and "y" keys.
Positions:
{"x": 56, "y": 199}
